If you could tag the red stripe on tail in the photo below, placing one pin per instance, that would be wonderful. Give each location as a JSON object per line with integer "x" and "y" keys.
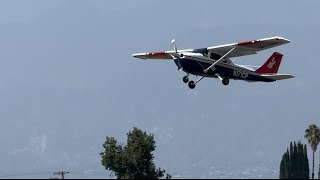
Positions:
{"x": 272, "y": 64}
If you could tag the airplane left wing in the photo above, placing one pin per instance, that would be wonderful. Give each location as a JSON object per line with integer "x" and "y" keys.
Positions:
{"x": 248, "y": 47}
{"x": 160, "y": 54}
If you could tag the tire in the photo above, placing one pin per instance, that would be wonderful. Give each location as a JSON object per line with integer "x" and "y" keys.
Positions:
{"x": 185, "y": 79}
{"x": 191, "y": 84}
{"x": 225, "y": 81}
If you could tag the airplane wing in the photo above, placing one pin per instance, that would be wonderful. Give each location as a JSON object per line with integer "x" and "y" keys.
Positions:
{"x": 248, "y": 47}
{"x": 227, "y": 50}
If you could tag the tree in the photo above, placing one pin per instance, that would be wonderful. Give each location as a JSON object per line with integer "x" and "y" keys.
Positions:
{"x": 312, "y": 134}
{"x": 133, "y": 160}
{"x": 283, "y": 167}
{"x": 294, "y": 163}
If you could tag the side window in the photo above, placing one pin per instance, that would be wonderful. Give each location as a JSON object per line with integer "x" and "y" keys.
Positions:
{"x": 215, "y": 56}
{"x": 205, "y": 53}
{"x": 227, "y": 60}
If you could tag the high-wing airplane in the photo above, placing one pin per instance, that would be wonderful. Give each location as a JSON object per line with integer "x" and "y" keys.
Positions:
{"x": 215, "y": 61}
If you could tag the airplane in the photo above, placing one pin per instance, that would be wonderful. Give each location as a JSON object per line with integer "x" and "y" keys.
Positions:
{"x": 215, "y": 62}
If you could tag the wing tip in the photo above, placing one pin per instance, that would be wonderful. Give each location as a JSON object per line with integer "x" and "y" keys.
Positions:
{"x": 139, "y": 55}
{"x": 284, "y": 39}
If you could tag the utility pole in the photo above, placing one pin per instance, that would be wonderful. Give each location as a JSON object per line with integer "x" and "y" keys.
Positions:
{"x": 62, "y": 173}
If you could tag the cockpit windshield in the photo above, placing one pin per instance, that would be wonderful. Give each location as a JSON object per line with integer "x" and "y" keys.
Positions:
{"x": 217, "y": 57}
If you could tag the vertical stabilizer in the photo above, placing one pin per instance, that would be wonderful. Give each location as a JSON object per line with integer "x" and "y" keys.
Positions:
{"x": 271, "y": 65}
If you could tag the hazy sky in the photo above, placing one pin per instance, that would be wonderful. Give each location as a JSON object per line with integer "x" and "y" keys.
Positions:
{"x": 68, "y": 80}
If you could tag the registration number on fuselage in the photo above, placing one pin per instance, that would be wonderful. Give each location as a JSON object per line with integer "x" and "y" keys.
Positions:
{"x": 240, "y": 74}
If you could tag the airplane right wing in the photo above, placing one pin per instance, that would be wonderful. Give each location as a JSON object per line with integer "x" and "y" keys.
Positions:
{"x": 248, "y": 47}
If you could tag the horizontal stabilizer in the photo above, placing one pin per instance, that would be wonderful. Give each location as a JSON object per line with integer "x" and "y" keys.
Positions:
{"x": 277, "y": 76}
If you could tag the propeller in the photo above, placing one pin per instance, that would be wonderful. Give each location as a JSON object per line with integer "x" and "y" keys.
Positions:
{"x": 173, "y": 42}
{"x": 177, "y": 55}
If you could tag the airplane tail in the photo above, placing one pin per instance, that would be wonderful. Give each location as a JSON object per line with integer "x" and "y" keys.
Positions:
{"x": 271, "y": 65}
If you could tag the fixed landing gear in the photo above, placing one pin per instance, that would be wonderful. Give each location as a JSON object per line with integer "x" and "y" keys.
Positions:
{"x": 225, "y": 81}
{"x": 186, "y": 79}
{"x": 191, "y": 84}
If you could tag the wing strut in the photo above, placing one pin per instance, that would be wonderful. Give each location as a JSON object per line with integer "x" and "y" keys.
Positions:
{"x": 206, "y": 70}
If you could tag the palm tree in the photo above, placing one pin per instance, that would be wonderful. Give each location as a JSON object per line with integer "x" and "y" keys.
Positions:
{"x": 313, "y": 136}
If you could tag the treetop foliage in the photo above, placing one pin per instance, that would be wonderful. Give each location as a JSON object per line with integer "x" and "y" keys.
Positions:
{"x": 133, "y": 160}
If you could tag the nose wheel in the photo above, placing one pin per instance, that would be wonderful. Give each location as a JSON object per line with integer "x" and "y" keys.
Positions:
{"x": 186, "y": 79}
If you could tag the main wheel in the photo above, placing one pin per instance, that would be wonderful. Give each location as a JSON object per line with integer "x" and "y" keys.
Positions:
{"x": 225, "y": 81}
{"x": 191, "y": 84}
{"x": 185, "y": 79}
